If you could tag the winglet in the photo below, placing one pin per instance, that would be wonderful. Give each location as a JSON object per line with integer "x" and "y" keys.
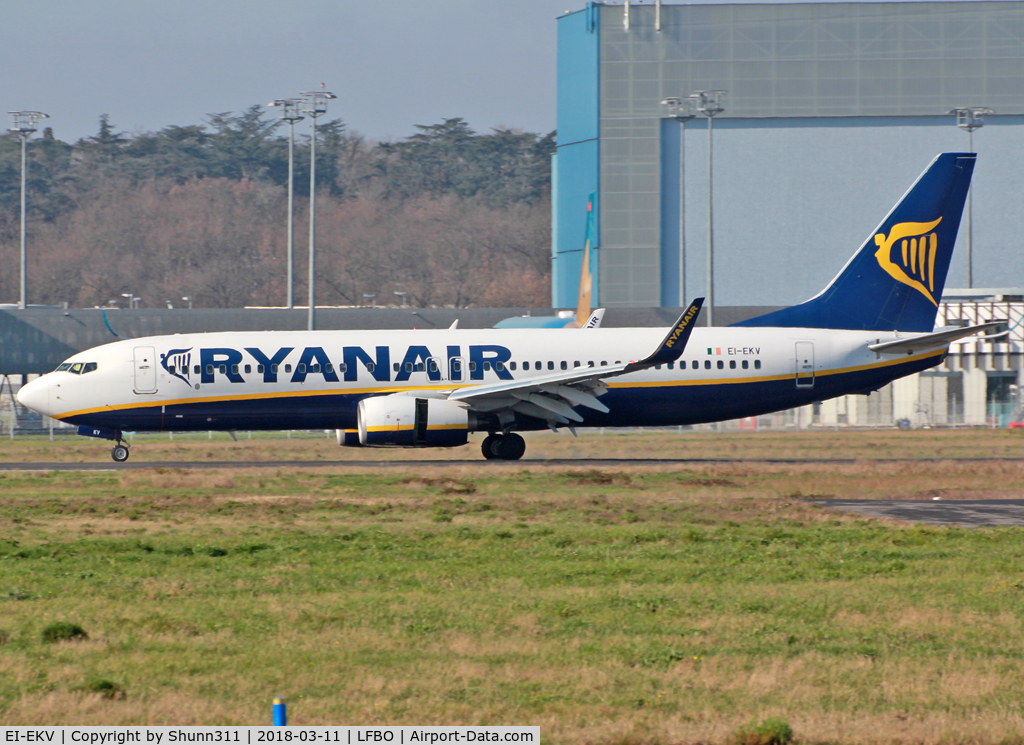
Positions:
{"x": 671, "y": 348}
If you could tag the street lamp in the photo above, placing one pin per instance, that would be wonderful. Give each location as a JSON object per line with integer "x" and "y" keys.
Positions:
{"x": 24, "y": 124}
{"x": 682, "y": 110}
{"x": 288, "y": 110}
{"x": 131, "y": 299}
{"x": 970, "y": 118}
{"x": 313, "y": 104}
{"x": 189, "y": 301}
{"x": 401, "y": 295}
{"x": 709, "y": 103}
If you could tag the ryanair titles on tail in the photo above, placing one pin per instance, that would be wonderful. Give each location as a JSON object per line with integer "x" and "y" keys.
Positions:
{"x": 454, "y": 365}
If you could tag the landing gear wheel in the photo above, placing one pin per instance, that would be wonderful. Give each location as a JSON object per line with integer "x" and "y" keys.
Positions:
{"x": 509, "y": 447}
{"x": 119, "y": 453}
{"x": 487, "y": 446}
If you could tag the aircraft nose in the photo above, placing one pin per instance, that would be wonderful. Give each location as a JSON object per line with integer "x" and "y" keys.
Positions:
{"x": 36, "y": 395}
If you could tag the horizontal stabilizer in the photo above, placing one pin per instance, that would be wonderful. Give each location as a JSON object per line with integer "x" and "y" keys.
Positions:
{"x": 928, "y": 341}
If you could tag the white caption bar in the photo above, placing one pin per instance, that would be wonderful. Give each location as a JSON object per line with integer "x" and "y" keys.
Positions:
{"x": 256, "y": 735}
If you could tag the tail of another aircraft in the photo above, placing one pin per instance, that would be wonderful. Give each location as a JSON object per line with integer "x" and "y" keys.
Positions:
{"x": 895, "y": 280}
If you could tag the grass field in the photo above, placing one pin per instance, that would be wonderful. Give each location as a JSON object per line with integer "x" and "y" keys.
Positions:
{"x": 607, "y": 605}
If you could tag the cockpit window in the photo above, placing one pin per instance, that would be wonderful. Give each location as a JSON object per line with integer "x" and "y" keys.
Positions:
{"x": 89, "y": 367}
{"x": 76, "y": 368}
{"x": 63, "y": 366}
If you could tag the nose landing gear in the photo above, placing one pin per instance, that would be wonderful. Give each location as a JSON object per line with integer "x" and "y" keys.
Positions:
{"x": 503, "y": 446}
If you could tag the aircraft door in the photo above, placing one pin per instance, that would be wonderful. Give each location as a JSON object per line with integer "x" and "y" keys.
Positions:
{"x": 145, "y": 370}
{"x": 456, "y": 368}
{"x": 804, "y": 364}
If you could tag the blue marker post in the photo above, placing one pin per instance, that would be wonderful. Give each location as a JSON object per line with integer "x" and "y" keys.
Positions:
{"x": 280, "y": 713}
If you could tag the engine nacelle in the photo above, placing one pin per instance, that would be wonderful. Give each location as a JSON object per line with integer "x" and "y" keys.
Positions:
{"x": 407, "y": 421}
{"x": 348, "y": 437}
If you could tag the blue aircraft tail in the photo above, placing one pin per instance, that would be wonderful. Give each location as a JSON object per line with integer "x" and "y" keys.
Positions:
{"x": 895, "y": 280}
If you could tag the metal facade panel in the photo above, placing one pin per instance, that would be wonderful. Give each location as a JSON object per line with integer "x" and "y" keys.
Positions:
{"x": 818, "y": 59}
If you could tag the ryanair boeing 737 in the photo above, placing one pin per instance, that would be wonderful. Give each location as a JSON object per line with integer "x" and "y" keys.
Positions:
{"x": 872, "y": 324}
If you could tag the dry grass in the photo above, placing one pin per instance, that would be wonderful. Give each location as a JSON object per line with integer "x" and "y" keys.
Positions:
{"x": 626, "y": 604}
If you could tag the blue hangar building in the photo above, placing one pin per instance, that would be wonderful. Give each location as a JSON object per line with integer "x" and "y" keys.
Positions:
{"x": 831, "y": 112}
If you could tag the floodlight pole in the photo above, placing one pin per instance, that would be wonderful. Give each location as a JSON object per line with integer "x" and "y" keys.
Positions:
{"x": 970, "y": 118}
{"x": 314, "y": 103}
{"x": 709, "y": 103}
{"x": 24, "y": 124}
{"x": 681, "y": 109}
{"x": 288, "y": 110}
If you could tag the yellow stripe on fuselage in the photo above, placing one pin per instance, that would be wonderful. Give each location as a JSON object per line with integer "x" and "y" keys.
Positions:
{"x": 449, "y": 387}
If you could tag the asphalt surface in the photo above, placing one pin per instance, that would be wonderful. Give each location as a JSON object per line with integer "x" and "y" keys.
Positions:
{"x": 974, "y": 513}
{"x": 109, "y": 465}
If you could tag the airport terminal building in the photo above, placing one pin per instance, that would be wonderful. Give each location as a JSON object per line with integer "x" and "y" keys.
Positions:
{"x": 831, "y": 112}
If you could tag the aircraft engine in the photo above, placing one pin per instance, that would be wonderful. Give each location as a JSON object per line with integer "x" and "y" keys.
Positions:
{"x": 407, "y": 421}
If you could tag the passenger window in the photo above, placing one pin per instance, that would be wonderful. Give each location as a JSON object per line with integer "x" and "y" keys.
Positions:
{"x": 472, "y": 366}
{"x": 287, "y": 368}
{"x": 301, "y": 368}
{"x": 342, "y": 367}
{"x": 671, "y": 365}
{"x": 431, "y": 366}
{"x": 397, "y": 366}
{"x": 551, "y": 365}
{"x": 576, "y": 364}
{"x": 657, "y": 367}
{"x": 590, "y": 363}
{"x": 732, "y": 364}
{"x": 234, "y": 369}
{"x": 511, "y": 365}
{"x": 499, "y": 365}
{"x": 170, "y": 369}
{"x": 419, "y": 367}
{"x": 721, "y": 365}
{"x": 707, "y": 364}
{"x": 197, "y": 369}
{"x": 565, "y": 365}
{"x": 526, "y": 365}
{"x": 259, "y": 369}
{"x": 408, "y": 367}
{"x": 757, "y": 364}
{"x": 746, "y": 364}
{"x": 695, "y": 365}
{"x": 248, "y": 369}
{"x": 537, "y": 366}
{"x": 328, "y": 368}
{"x": 273, "y": 369}
{"x": 604, "y": 363}
{"x": 89, "y": 367}
{"x": 315, "y": 368}
{"x": 457, "y": 366}
{"x": 370, "y": 367}
{"x": 223, "y": 369}
{"x": 487, "y": 366}
{"x": 63, "y": 366}
{"x": 209, "y": 369}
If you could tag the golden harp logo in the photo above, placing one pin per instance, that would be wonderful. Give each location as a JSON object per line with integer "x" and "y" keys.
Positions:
{"x": 914, "y": 261}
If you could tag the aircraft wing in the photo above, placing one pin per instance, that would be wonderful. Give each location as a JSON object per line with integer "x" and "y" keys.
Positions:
{"x": 927, "y": 341}
{"x": 552, "y": 397}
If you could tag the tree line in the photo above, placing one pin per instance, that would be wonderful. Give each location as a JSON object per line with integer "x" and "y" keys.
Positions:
{"x": 450, "y": 216}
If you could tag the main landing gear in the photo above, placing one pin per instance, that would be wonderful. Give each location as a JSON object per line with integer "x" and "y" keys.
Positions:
{"x": 503, "y": 447}
{"x": 119, "y": 452}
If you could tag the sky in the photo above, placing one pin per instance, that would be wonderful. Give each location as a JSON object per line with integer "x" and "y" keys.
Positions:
{"x": 392, "y": 64}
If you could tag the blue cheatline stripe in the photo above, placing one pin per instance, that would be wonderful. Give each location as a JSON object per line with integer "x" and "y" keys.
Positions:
{"x": 685, "y": 402}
